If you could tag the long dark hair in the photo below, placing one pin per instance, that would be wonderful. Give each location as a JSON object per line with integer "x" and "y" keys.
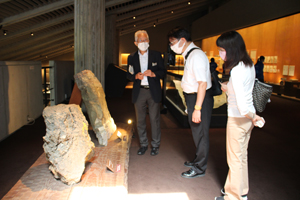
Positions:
{"x": 235, "y": 48}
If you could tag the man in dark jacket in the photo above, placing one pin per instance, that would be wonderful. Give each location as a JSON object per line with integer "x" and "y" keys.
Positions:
{"x": 259, "y": 68}
{"x": 146, "y": 68}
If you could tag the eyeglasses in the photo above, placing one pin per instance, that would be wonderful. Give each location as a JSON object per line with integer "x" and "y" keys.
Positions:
{"x": 144, "y": 40}
{"x": 173, "y": 42}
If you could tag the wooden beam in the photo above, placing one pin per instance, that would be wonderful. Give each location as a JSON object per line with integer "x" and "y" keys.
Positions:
{"x": 136, "y": 6}
{"x": 159, "y": 9}
{"x": 150, "y": 24}
{"x": 37, "y": 27}
{"x": 36, "y": 47}
{"x": 36, "y": 12}
{"x": 3, "y": 1}
{"x": 48, "y": 49}
{"x": 110, "y": 3}
{"x": 32, "y": 41}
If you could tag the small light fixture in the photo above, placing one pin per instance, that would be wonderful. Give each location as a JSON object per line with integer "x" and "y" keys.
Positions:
{"x": 154, "y": 25}
{"x": 46, "y": 56}
{"x": 172, "y": 12}
{"x": 72, "y": 46}
{"x": 31, "y": 34}
{"x": 134, "y": 25}
{"x": 4, "y": 32}
{"x": 133, "y": 17}
{"x": 189, "y": 3}
{"x": 129, "y": 121}
{"x": 119, "y": 134}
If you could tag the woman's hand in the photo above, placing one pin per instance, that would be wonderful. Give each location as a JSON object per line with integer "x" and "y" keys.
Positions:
{"x": 224, "y": 87}
{"x": 257, "y": 118}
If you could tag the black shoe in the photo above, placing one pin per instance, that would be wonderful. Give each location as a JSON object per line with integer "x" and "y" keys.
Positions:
{"x": 188, "y": 164}
{"x": 192, "y": 174}
{"x": 142, "y": 150}
{"x": 154, "y": 151}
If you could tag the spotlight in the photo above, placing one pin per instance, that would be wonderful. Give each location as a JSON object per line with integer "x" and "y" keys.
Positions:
{"x": 172, "y": 12}
{"x": 134, "y": 25}
{"x": 129, "y": 121}
{"x": 189, "y": 3}
{"x": 119, "y": 134}
{"x": 31, "y": 34}
{"x": 72, "y": 46}
{"x": 4, "y": 32}
{"x": 154, "y": 25}
{"x": 133, "y": 17}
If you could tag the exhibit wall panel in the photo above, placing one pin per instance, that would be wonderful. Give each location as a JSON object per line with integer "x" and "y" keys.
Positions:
{"x": 21, "y": 95}
{"x": 277, "y": 40}
{"x": 61, "y": 80}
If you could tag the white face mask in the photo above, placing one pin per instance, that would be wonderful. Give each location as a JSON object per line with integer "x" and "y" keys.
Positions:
{"x": 176, "y": 48}
{"x": 143, "y": 46}
{"x": 223, "y": 55}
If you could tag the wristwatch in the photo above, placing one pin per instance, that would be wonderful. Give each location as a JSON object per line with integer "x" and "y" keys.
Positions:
{"x": 197, "y": 107}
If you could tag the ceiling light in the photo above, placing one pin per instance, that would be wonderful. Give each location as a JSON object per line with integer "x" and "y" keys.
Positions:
{"x": 172, "y": 12}
{"x": 154, "y": 25}
{"x": 189, "y": 3}
{"x": 134, "y": 25}
{"x": 31, "y": 34}
{"x": 4, "y": 32}
{"x": 133, "y": 17}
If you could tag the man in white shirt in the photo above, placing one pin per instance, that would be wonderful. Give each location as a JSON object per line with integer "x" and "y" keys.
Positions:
{"x": 196, "y": 84}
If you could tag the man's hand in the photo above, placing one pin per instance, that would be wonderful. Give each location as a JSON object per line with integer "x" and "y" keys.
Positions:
{"x": 196, "y": 117}
{"x": 139, "y": 76}
{"x": 149, "y": 73}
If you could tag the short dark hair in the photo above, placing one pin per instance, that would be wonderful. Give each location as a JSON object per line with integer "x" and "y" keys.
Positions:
{"x": 180, "y": 32}
{"x": 235, "y": 48}
{"x": 261, "y": 58}
{"x": 212, "y": 60}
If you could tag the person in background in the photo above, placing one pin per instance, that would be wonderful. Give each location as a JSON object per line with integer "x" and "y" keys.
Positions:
{"x": 241, "y": 113}
{"x": 259, "y": 68}
{"x": 195, "y": 83}
{"x": 213, "y": 65}
{"x": 145, "y": 68}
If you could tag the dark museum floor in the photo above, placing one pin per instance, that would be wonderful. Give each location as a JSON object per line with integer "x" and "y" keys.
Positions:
{"x": 273, "y": 156}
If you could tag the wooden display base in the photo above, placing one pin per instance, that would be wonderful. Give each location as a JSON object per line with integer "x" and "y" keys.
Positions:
{"x": 96, "y": 182}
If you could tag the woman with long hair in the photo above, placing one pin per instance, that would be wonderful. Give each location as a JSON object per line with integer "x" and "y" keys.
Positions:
{"x": 241, "y": 113}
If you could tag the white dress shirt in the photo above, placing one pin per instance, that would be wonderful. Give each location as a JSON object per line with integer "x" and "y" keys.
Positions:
{"x": 196, "y": 69}
{"x": 144, "y": 66}
{"x": 239, "y": 91}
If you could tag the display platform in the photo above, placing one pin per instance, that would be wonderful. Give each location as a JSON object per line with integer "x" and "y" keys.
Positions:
{"x": 97, "y": 182}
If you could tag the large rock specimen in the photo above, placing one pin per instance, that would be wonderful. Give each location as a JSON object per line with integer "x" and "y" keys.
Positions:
{"x": 93, "y": 97}
{"x": 67, "y": 144}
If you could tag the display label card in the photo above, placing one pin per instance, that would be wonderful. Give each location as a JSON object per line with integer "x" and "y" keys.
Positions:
{"x": 285, "y": 70}
{"x": 118, "y": 168}
{"x": 110, "y": 166}
{"x": 292, "y": 70}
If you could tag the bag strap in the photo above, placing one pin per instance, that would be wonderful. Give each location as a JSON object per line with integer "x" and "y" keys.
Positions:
{"x": 188, "y": 53}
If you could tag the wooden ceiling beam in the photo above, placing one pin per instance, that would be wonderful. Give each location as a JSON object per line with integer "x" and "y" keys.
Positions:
{"x": 37, "y": 46}
{"x": 36, "y": 12}
{"x": 137, "y": 6}
{"x": 38, "y": 26}
{"x": 34, "y": 40}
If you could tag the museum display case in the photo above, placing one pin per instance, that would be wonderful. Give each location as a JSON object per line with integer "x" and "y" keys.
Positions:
{"x": 175, "y": 101}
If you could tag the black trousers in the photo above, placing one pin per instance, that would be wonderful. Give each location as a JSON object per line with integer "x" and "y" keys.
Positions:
{"x": 200, "y": 131}
{"x": 143, "y": 100}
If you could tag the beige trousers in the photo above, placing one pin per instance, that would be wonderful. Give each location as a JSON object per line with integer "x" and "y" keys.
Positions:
{"x": 238, "y": 133}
